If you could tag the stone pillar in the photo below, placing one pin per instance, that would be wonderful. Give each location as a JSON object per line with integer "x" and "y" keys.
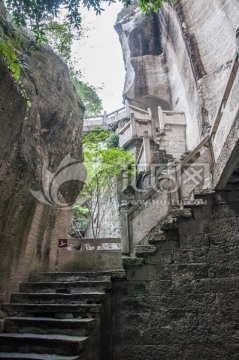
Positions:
{"x": 237, "y": 43}
{"x": 147, "y": 151}
{"x": 152, "y": 124}
{"x": 125, "y": 246}
{"x": 161, "y": 118}
{"x": 175, "y": 198}
{"x": 105, "y": 120}
{"x": 133, "y": 125}
{"x": 127, "y": 110}
{"x": 116, "y": 116}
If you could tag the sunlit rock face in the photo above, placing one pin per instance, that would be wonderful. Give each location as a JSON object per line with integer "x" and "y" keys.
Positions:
{"x": 180, "y": 58}
{"x": 44, "y": 134}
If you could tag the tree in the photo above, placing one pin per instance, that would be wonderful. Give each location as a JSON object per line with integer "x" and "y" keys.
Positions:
{"x": 104, "y": 164}
{"x": 60, "y": 36}
{"x": 90, "y": 98}
{"x": 37, "y": 12}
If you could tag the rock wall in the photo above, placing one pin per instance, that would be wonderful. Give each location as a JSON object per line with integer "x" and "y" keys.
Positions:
{"x": 29, "y": 138}
{"x": 180, "y": 58}
{"x": 182, "y": 303}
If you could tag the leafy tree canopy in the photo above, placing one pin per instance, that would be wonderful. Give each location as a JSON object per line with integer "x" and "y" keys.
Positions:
{"x": 37, "y": 12}
{"x": 60, "y": 36}
{"x": 90, "y": 98}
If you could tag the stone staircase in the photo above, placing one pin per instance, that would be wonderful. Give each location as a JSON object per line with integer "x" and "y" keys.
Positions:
{"x": 166, "y": 235}
{"x": 59, "y": 316}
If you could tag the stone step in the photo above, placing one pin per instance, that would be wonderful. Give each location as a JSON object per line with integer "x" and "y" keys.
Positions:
{"x": 181, "y": 214}
{"x": 157, "y": 239}
{"x": 144, "y": 250}
{"x": 169, "y": 226}
{"x": 52, "y": 310}
{"x": 77, "y": 276}
{"x": 34, "y": 356}
{"x": 78, "y": 327}
{"x": 50, "y": 344}
{"x": 52, "y": 298}
{"x": 129, "y": 261}
{"x": 66, "y": 286}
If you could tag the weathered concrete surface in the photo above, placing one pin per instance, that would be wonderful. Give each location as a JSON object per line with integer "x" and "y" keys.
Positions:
{"x": 183, "y": 58}
{"x": 227, "y": 163}
{"x": 88, "y": 260}
{"x": 183, "y": 302}
{"x": 46, "y": 134}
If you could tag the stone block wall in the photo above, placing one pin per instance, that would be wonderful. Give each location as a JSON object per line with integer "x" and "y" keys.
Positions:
{"x": 183, "y": 302}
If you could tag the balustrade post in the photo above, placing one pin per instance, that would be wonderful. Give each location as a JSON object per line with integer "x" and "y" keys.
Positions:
{"x": 116, "y": 116}
{"x": 127, "y": 109}
{"x": 104, "y": 119}
{"x": 124, "y": 220}
{"x": 133, "y": 125}
{"x": 147, "y": 151}
{"x": 161, "y": 118}
{"x": 175, "y": 194}
{"x": 152, "y": 124}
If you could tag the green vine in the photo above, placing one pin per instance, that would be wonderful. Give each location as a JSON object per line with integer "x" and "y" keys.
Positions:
{"x": 10, "y": 58}
{"x": 8, "y": 53}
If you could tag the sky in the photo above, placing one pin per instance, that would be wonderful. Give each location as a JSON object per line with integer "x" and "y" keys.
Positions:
{"x": 99, "y": 56}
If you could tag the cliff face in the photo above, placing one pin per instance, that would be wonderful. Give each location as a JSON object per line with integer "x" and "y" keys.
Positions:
{"x": 180, "y": 58}
{"x": 43, "y": 134}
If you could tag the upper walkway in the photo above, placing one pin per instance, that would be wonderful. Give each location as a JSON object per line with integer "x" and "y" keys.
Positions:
{"x": 213, "y": 164}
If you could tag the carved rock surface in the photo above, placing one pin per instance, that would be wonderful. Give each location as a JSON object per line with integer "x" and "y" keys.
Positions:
{"x": 43, "y": 134}
{"x": 180, "y": 58}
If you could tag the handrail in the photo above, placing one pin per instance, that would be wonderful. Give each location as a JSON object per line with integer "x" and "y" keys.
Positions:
{"x": 116, "y": 111}
{"x": 195, "y": 151}
{"x": 225, "y": 95}
{"x": 170, "y": 112}
{"x": 121, "y": 131}
{"x": 141, "y": 151}
{"x": 183, "y": 163}
{"x": 94, "y": 241}
{"x": 138, "y": 109}
{"x": 147, "y": 196}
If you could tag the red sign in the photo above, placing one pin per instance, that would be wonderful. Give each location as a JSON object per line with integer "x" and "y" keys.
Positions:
{"x": 62, "y": 243}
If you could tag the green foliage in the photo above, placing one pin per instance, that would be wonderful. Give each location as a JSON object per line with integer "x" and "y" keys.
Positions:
{"x": 104, "y": 164}
{"x": 113, "y": 140}
{"x": 60, "y": 37}
{"x": 149, "y": 5}
{"x": 9, "y": 56}
{"x": 90, "y": 98}
{"x": 79, "y": 222}
{"x": 37, "y": 12}
{"x": 81, "y": 216}
{"x": 8, "y": 52}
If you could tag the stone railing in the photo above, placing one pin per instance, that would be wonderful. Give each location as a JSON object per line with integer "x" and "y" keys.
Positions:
{"x": 135, "y": 126}
{"x": 226, "y": 113}
{"x": 105, "y": 120}
{"x": 89, "y": 254}
{"x": 171, "y": 132}
{"x": 176, "y": 183}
